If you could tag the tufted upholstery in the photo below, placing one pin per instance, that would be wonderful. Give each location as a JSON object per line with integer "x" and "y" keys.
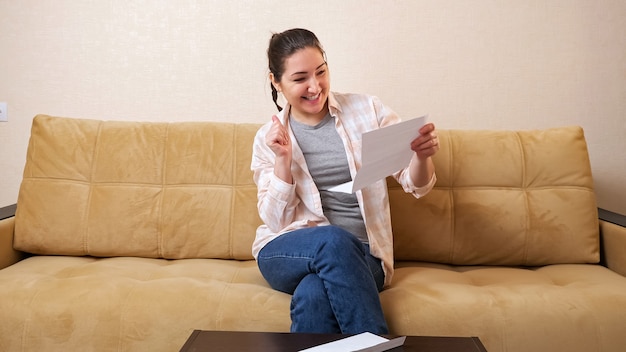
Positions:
{"x": 154, "y": 190}
{"x": 146, "y": 190}
{"x": 503, "y": 198}
{"x": 141, "y": 232}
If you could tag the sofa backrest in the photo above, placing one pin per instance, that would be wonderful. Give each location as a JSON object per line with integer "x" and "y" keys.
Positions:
{"x": 185, "y": 190}
{"x": 503, "y": 198}
{"x": 162, "y": 190}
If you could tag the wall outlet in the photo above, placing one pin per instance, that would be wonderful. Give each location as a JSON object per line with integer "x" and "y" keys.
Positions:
{"x": 4, "y": 115}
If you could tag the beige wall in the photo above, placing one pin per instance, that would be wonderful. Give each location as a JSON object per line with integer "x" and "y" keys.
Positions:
{"x": 470, "y": 64}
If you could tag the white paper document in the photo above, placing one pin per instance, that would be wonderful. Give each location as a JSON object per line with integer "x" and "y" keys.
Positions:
{"x": 383, "y": 152}
{"x": 365, "y": 342}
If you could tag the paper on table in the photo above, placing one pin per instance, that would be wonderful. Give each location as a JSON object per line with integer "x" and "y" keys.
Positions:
{"x": 384, "y": 151}
{"x": 365, "y": 342}
{"x": 385, "y": 346}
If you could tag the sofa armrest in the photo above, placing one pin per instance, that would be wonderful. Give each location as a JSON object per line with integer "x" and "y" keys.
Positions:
{"x": 613, "y": 239}
{"x": 8, "y": 255}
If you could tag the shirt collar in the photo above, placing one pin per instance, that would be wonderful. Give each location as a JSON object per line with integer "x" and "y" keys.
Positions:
{"x": 333, "y": 105}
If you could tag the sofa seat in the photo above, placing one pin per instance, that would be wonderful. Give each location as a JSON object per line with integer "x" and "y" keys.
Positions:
{"x": 120, "y": 303}
{"x": 511, "y": 308}
{"x": 128, "y": 303}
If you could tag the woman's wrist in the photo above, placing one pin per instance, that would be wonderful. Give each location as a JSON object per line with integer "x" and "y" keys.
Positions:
{"x": 282, "y": 169}
{"x": 421, "y": 170}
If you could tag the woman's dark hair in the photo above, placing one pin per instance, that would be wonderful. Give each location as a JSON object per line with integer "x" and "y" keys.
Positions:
{"x": 284, "y": 44}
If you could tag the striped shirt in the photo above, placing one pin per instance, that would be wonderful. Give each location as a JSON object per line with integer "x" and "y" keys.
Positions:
{"x": 285, "y": 207}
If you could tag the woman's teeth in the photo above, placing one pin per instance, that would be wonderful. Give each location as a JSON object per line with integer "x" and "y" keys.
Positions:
{"x": 312, "y": 98}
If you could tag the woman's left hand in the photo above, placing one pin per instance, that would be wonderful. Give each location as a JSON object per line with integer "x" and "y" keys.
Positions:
{"x": 427, "y": 144}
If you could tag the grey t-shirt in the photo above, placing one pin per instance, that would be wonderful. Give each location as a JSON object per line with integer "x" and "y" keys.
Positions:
{"x": 326, "y": 159}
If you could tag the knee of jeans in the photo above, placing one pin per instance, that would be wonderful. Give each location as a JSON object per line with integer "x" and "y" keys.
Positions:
{"x": 340, "y": 239}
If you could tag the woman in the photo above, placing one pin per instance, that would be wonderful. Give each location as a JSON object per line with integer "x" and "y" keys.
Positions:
{"x": 332, "y": 251}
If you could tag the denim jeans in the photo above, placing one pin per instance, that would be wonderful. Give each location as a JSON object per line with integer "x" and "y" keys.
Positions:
{"x": 332, "y": 276}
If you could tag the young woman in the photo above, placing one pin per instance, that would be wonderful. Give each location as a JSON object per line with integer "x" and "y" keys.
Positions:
{"x": 332, "y": 251}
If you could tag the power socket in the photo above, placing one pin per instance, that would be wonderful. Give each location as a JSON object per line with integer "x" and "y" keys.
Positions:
{"x": 4, "y": 115}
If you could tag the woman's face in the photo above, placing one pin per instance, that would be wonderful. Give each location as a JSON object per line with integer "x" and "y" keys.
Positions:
{"x": 305, "y": 84}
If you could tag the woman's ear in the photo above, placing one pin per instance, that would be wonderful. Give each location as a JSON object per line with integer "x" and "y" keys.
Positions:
{"x": 274, "y": 83}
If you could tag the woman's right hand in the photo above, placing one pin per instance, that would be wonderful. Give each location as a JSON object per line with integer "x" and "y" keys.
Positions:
{"x": 278, "y": 140}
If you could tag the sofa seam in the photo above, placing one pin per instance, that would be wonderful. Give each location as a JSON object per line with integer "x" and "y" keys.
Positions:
{"x": 123, "y": 183}
{"x": 233, "y": 193}
{"x": 159, "y": 239}
{"x": 123, "y": 311}
{"x": 91, "y": 182}
{"x": 512, "y": 188}
{"x": 597, "y": 332}
{"x": 452, "y": 198}
{"x": 196, "y": 185}
{"x": 220, "y": 313}
{"x": 524, "y": 188}
{"x": 504, "y": 327}
{"x": 27, "y": 321}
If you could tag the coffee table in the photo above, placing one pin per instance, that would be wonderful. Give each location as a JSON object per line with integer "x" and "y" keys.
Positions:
{"x": 218, "y": 341}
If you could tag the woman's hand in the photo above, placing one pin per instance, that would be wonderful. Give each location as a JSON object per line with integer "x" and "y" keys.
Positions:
{"x": 427, "y": 144}
{"x": 277, "y": 139}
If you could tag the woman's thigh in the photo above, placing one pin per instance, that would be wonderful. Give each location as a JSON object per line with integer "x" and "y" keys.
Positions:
{"x": 288, "y": 258}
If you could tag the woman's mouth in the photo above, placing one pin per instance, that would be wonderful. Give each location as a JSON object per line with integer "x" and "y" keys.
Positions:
{"x": 312, "y": 98}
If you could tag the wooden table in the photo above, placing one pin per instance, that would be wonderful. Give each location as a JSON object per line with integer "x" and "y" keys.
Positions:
{"x": 217, "y": 341}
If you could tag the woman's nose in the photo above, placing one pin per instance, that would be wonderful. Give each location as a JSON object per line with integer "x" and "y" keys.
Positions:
{"x": 313, "y": 85}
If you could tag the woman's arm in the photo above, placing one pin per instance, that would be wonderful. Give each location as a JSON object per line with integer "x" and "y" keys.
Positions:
{"x": 277, "y": 199}
{"x": 425, "y": 146}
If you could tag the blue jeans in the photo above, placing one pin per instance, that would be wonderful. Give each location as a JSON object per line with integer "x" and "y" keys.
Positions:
{"x": 332, "y": 276}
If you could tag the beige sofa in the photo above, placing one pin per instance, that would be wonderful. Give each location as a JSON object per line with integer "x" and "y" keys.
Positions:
{"x": 128, "y": 236}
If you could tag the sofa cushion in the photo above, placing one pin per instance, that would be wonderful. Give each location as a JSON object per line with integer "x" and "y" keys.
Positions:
{"x": 561, "y": 307}
{"x": 502, "y": 198}
{"x": 161, "y": 190}
{"x": 64, "y": 303}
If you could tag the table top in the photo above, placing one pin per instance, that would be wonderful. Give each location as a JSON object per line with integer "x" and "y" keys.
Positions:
{"x": 217, "y": 341}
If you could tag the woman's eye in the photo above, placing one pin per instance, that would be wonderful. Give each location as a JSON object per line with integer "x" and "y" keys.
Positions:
{"x": 321, "y": 72}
